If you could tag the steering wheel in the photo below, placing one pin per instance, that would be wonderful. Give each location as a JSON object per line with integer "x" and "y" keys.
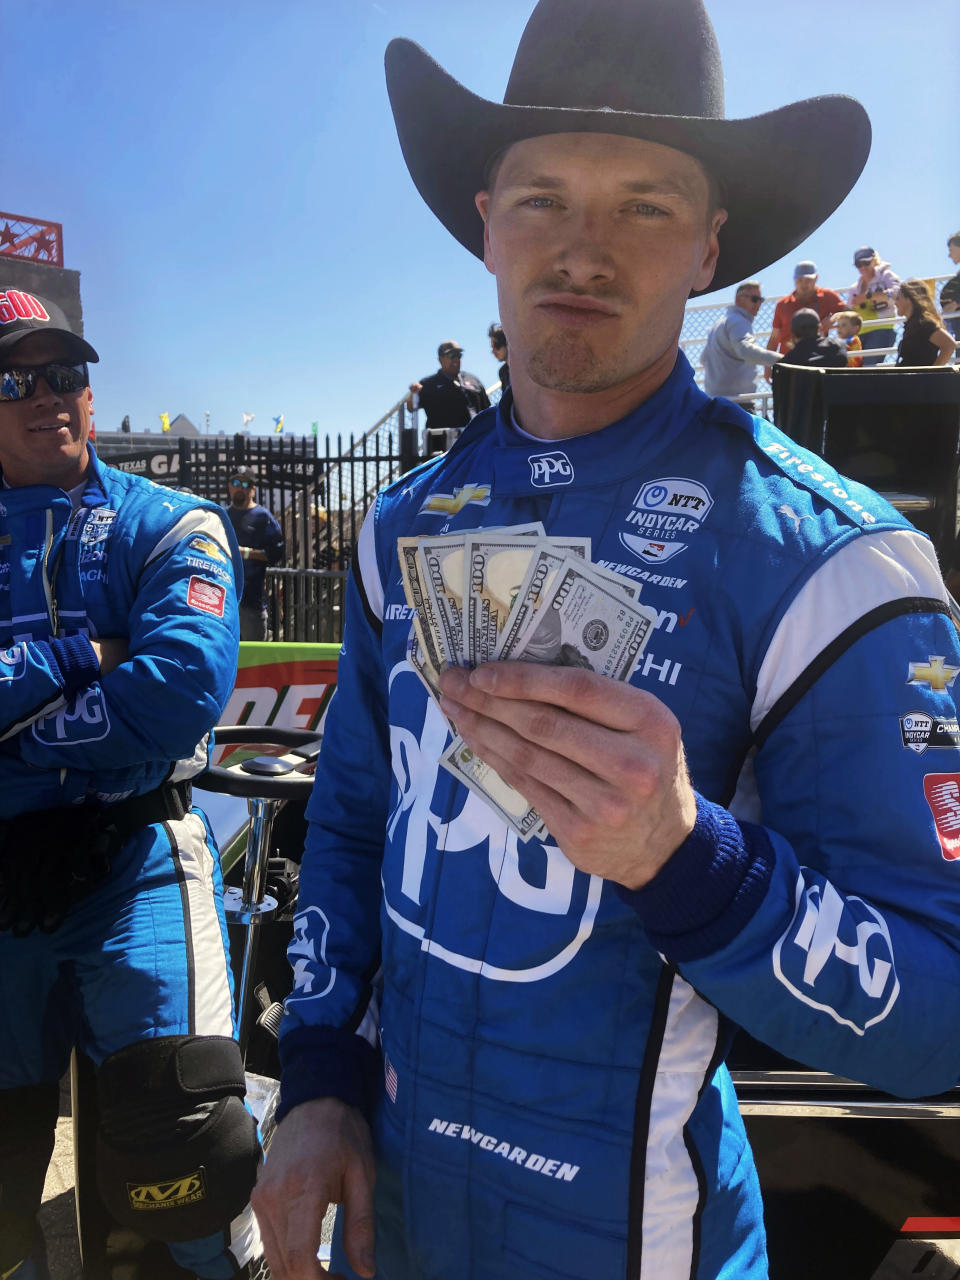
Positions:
{"x": 265, "y": 777}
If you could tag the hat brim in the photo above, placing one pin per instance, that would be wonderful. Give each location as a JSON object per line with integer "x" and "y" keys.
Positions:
{"x": 783, "y": 172}
{"x": 81, "y": 347}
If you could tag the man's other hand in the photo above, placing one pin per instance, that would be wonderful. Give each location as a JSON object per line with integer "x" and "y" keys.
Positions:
{"x": 602, "y": 762}
{"x": 110, "y": 651}
{"x": 321, "y": 1154}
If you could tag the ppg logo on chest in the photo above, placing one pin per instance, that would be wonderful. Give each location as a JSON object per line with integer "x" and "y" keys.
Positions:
{"x": 550, "y": 470}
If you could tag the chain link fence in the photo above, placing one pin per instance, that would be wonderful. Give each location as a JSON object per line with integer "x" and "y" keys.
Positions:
{"x": 700, "y": 318}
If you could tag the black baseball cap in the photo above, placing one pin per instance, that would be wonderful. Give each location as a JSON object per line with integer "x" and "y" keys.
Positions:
{"x": 244, "y": 473}
{"x": 449, "y": 349}
{"x": 804, "y": 319}
{"x": 22, "y": 314}
{"x": 863, "y": 254}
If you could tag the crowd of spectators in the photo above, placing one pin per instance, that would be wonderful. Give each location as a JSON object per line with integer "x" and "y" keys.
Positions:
{"x": 864, "y": 323}
{"x": 800, "y": 333}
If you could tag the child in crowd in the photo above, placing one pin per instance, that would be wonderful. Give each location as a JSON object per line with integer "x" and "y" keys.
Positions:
{"x": 848, "y": 331}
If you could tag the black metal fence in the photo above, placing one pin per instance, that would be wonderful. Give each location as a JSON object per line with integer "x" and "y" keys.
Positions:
{"x": 305, "y": 604}
{"x": 319, "y": 498}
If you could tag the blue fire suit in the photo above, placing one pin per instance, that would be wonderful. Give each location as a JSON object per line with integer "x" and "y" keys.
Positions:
{"x": 541, "y": 1051}
{"x": 143, "y": 955}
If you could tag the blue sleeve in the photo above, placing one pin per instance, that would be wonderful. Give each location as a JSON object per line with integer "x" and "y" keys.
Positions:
{"x": 830, "y": 927}
{"x": 38, "y": 676}
{"x": 330, "y": 1033}
{"x": 273, "y": 542}
{"x": 745, "y": 345}
{"x": 182, "y": 639}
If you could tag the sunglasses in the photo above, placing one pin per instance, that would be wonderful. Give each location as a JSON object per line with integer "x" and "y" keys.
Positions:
{"x": 242, "y": 484}
{"x": 754, "y": 297}
{"x": 62, "y": 379}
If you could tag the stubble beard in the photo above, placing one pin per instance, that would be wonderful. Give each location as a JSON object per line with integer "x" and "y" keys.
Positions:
{"x": 567, "y": 363}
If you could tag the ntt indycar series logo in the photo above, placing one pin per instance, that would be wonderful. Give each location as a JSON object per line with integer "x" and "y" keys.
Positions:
{"x": 662, "y": 509}
{"x": 549, "y": 470}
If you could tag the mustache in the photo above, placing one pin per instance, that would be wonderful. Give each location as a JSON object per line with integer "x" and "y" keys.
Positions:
{"x": 601, "y": 293}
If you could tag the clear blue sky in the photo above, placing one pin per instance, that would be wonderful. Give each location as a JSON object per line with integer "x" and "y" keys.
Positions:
{"x": 231, "y": 188}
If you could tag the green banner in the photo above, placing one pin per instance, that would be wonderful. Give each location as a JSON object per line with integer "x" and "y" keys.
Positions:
{"x": 285, "y": 684}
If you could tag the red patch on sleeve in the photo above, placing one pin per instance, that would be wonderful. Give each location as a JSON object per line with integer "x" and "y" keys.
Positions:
{"x": 207, "y": 596}
{"x": 942, "y": 792}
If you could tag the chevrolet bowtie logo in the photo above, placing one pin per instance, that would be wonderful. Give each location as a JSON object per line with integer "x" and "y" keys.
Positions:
{"x": 934, "y": 672}
{"x": 451, "y": 503}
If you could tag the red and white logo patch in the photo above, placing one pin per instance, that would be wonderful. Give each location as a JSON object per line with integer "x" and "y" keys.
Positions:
{"x": 210, "y": 597}
{"x": 942, "y": 792}
{"x": 15, "y": 305}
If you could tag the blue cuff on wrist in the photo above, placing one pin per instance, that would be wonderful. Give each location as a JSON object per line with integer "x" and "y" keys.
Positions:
{"x": 76, "y": 662}
{"x": 709, "y": 889}
{"x": 326, "y": 1062}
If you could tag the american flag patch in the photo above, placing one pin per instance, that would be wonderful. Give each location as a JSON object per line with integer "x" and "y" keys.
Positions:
{"x": 390, "y": 1078}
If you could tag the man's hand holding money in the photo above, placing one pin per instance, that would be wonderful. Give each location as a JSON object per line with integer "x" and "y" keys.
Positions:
{"x": 601, "y": 761}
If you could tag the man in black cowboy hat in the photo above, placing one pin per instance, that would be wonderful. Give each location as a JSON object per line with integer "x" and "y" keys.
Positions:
{"x": 524, "y": 1037}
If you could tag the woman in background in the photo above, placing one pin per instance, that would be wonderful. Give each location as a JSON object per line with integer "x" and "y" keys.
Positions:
{"x": 872, "y": 299}
{"x": 924, "y": 340}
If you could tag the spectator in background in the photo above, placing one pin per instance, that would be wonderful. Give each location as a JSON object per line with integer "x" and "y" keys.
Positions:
{"x": 731, "y": 354}
{"x": 950, "y": 293}
{"x": 805, "y": 294}
{"x": 498, "y": 345}
{"x": 449, "y": 397}
{"x": 872, "y": 299}
{"x": 261, "y": 543}
{"x": 924, "y": 340}
{"x": 848, "y": 331}
{"x": 810, "y": 347}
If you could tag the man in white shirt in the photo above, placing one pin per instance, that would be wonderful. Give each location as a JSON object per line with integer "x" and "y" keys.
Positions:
{"x": 732, "y": 354}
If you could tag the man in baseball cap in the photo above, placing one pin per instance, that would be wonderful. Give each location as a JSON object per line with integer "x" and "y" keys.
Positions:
{"x": 118, "y": 649}
{"x": 22, "y": 314}
{"x": 450, "y": 398}
{"x": 261, "y": 544}
{"x": 805, "y": 294}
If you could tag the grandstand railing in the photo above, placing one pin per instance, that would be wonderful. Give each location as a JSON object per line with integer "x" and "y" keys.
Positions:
{"x": 700, "y": 317}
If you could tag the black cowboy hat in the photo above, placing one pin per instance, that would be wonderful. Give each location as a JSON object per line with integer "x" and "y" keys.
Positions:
{"x": 644, "y": 69}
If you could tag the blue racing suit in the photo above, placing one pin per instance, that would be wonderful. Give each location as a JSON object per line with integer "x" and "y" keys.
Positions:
{"x": 551, "y": 1098}
{"x": 143, "y": 954}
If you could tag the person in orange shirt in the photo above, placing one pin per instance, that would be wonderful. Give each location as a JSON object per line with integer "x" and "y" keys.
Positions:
{"x": 805, "y": 294}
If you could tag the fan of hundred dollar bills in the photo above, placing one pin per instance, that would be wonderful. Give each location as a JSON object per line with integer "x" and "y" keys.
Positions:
{"x": 513, "y": 593}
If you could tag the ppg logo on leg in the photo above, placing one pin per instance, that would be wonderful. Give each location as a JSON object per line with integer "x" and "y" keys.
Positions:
{"x": 549, "y": 470}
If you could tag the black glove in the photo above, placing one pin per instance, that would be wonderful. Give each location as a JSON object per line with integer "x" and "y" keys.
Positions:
{"x": 48, "y": 861}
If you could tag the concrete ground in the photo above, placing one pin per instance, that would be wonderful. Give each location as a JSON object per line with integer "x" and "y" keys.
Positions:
{"x": 58, "y": 1215}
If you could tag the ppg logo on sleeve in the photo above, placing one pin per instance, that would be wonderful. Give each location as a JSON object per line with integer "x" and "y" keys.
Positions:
{"x": 13, "y": 663}
{"x": 550, "y": 470}
{"x": 308, "y": 950}
{"x": 837, "y": 956}
{"x": 83, "y": 719}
